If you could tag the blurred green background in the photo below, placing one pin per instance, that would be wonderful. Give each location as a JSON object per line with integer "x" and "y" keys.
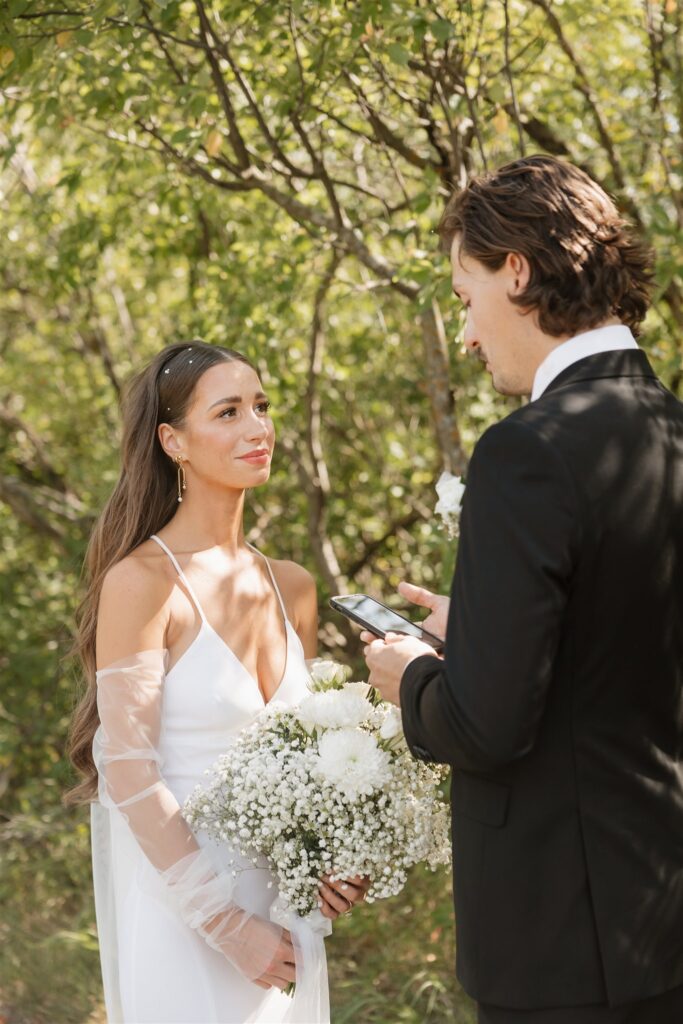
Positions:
{"x": 268, "y": 175}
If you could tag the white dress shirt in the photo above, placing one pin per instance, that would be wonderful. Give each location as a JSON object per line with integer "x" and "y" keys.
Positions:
{"x": 602, "y": 339}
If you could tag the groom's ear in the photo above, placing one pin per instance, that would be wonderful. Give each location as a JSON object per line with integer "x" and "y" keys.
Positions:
{"x": 519, "y": 271}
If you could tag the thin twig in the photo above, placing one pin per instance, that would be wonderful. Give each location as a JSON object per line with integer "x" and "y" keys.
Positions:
{"x": 511, "y": 81}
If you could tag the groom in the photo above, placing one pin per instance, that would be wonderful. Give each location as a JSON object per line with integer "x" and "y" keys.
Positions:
{"x": 559, "y": 702}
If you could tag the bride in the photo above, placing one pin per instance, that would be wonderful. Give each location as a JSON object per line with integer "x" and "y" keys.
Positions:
{"x": 185, "y": 634}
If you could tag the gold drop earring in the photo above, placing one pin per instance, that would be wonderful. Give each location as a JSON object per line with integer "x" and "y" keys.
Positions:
{"x": 182, "y": 482}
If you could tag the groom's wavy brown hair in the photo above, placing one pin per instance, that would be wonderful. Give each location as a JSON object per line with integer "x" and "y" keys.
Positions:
{"x": 586, "y": 262}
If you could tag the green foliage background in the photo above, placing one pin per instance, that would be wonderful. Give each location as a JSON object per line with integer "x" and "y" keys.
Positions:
{"x": 268, "y": 175}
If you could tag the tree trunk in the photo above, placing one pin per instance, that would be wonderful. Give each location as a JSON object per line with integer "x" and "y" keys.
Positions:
{"x": 440, "y": 394}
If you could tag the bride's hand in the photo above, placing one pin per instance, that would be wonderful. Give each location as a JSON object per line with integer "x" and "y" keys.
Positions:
{"x": 340, "y": 896}
{"x": 261, "y": 951}
{"x": 281, "y": 971}
{"x": 438, "y": 605}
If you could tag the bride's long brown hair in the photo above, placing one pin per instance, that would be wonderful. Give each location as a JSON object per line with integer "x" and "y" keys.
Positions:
{"x": 142, "y": 502}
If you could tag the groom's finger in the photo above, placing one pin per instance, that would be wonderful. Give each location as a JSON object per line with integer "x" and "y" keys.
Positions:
{"x": 417, "y": 595}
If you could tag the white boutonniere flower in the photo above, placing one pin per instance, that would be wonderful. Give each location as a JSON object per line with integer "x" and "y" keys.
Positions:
{"x": 450, "y": 490}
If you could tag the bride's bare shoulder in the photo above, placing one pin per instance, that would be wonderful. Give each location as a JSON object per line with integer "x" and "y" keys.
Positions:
{"x": 299, "y": 592}
{"x": 294, "y": 581}
{"x": 144, "y": 572}
{"x": 134, "y": 607}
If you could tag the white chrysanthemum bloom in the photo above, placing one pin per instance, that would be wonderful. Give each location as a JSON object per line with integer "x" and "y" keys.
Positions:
{"x": 327, "y": 674}
{"x": 351, "y": 760}
{"x": 334, "y": 709}
{"x": 450, "y": 490}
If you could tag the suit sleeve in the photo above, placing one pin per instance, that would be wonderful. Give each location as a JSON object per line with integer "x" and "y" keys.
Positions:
{"x": 480, "y": 708}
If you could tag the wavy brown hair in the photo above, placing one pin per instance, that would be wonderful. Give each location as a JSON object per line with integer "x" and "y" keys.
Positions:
{"x": 586, "y": 262}
{"x": 144, "y": 499}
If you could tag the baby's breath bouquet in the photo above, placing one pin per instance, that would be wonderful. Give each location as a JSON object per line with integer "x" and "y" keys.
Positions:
{"x": 326, "y": 787}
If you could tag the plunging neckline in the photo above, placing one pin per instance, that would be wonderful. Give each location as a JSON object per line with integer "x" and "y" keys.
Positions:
{"x": 206, "y": 625}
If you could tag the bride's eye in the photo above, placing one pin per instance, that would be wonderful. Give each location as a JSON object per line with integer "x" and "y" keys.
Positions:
{"x": 227, "y": 413}
{"x": 264, "y": 407}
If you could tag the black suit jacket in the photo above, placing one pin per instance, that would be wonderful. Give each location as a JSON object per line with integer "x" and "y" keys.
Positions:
{"x": 560, "y": 700}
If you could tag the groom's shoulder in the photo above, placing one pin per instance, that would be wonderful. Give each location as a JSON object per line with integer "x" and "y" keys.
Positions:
{"x": 526, "y": 427}
{"x": 522, "y": 439}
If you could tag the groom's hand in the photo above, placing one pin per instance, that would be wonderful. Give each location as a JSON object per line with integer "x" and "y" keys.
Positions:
{"x": 438, "y": 605}
{"x": 388, "y": 659}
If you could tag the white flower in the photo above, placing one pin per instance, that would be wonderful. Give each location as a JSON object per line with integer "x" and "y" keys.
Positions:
{"x": 343, "y": 800}
{"x": 326, "y": 674}
{"x": 363, "y": 689}
{"x": 450, "y": 490}
{"x": 351, "y": 760}
{"x": 392, "y": 724}
{"x": 334, "y": 709}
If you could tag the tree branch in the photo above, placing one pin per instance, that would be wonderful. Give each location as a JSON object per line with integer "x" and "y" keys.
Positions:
{"x": 373, "y": 546}
{"x": 162, "y": 44}
{"x": 586, "y": 91}
{"x": 14, "y": 425}
{"x": 510, "y": 78}
{"x": 240, "y": 150}
{"x": 441, "y": 400}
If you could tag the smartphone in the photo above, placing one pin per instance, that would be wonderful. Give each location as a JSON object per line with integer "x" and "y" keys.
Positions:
{"x": 380, "y": 620}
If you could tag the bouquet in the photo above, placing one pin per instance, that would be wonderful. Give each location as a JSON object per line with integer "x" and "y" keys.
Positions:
{"x": 326, "y": 787}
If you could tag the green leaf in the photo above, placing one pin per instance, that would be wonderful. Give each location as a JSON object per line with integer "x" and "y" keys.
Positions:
{"x": 497, "y": 92}
{"x": 398, "y": 53}
{"x": 182, "y": 135}
{"x": 441, "y": 29}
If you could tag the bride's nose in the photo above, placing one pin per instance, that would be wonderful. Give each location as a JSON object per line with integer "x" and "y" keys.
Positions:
{"x": 257, "y": 429}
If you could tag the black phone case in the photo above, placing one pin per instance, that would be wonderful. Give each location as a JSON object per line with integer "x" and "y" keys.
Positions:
{"x": 381, "y": 633}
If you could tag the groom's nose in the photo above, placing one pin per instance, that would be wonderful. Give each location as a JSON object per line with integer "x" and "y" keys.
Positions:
{"x": 470, "y": 339}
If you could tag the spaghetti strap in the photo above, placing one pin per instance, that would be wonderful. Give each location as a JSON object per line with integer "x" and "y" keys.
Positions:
{"x": 272, "y": 580}
{"x": 182, "y": 575}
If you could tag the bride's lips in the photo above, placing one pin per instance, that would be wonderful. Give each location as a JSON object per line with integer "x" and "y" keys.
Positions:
{"x": 256, "y": 458}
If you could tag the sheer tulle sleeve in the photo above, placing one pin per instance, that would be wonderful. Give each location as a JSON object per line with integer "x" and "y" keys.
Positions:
{"x": 131, "y": 784}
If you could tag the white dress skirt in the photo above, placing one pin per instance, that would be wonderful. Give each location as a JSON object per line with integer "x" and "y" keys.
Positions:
{"x": 159, "y": 888}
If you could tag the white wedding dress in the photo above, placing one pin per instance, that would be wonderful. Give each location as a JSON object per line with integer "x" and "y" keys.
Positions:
{"x": 183, "y": 922}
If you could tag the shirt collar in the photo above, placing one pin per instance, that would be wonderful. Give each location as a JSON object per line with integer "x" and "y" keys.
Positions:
{"x": 590, "y": 343}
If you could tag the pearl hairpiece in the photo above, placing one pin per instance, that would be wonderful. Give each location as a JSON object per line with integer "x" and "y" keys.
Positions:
{"x": 168, "y": 368}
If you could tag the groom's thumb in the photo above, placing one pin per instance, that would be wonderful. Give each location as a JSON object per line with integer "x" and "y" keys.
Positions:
{"x": 418, "y": 595}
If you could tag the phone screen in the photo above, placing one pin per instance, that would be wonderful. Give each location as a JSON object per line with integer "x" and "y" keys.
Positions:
{"x": 380, "y": 619}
